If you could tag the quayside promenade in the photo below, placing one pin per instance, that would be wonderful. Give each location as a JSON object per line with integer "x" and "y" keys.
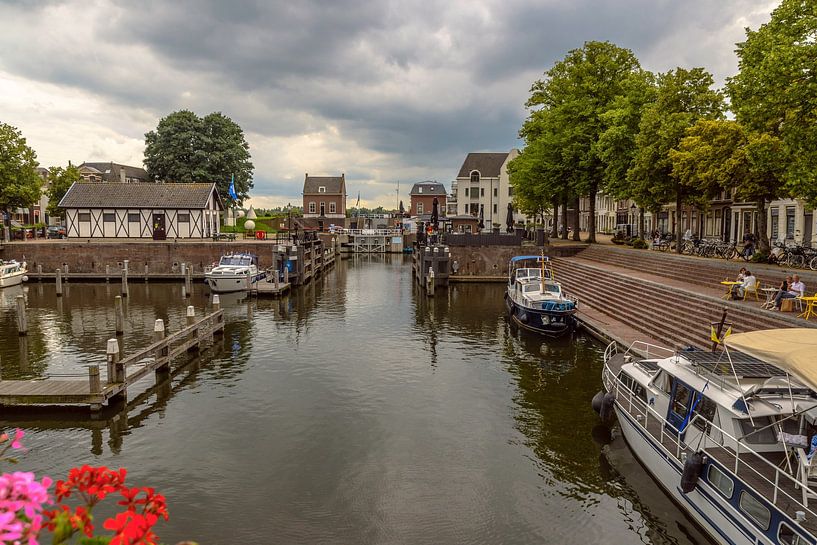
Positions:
{"x": 668, "y": 300}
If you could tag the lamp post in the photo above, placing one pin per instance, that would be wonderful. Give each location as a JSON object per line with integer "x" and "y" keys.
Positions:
{"x": 633, "y": 220}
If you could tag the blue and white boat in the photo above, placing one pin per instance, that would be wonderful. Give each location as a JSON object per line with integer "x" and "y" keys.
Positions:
{"x": 727, "y": 434}
{"x": 535, "y": 300}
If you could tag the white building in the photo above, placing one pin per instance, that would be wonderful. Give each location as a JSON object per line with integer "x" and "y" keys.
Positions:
{"x": 158, "y": 211}
{"x": 483, "y": 182}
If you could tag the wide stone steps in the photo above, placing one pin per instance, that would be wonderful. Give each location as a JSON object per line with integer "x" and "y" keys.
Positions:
{"x": 680, "y": 318}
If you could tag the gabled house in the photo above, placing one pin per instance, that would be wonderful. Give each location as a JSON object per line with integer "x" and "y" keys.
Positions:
{"x": 422, "y": 197}
{"x": 324, "y": 201}
{"x": 483, "y": 183}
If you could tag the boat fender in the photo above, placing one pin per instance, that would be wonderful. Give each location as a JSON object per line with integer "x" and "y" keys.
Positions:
{"x": 606, "y": 411}
{"x": 693, "y": 467}
{"x": 25, "y": 279}
{"x": 596, "y": 402}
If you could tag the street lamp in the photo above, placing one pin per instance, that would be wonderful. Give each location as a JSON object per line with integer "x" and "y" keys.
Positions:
{"x": 633, "y": 221}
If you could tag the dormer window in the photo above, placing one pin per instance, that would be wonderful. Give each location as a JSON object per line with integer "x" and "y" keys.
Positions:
{"x": 322, "y": 189}
{"x": 475, "y": 177}
{"x": 420, "y": 189}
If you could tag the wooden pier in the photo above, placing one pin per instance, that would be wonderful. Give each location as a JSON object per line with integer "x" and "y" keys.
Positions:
{"x": 121, "y": 373}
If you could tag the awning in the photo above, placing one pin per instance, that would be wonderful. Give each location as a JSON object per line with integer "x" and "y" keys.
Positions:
{"x": 793, "y": 350}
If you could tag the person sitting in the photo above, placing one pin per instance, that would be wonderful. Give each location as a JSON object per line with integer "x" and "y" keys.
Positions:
{"x": 796, "y": 289}
{"x": 749, "y": 283}
{"x": 741, "y": 274}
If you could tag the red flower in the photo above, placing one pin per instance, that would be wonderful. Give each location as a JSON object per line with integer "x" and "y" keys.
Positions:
{"x": 131, "y": 528}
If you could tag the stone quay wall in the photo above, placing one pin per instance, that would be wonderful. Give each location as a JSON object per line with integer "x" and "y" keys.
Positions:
{"x": 160, "y": 257}
{"x": 489, "y": 261}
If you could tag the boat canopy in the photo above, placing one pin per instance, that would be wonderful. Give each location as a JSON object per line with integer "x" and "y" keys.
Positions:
{"x": 793, "y": 350}
{"x": 525, "y": 257}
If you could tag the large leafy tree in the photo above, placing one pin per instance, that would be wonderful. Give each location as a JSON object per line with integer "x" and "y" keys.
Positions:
{"x": 577, "y": 93}
{"x": 187, "y": 148}
{"x": 775, "y": 92}
{"x": 682, "y": 98}
{"x": 60, "y": 181}
{"x": 19, "y": 182}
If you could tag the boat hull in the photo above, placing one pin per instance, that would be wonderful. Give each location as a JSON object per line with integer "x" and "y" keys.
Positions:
{"x": 232, "y": 283}
{"x": 14, "y": 279}
{"x": 547, "y": 323}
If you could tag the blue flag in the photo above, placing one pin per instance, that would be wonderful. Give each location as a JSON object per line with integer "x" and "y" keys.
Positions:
{"x": 231, "y": 191}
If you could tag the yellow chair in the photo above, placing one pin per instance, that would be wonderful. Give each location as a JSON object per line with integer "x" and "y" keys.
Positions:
{"x": 752, "y": 290}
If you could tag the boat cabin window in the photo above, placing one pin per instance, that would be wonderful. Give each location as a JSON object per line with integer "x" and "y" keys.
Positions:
{"x": 706, "y": 408}
{"x": 680, "y": 403}
{"x": 787, "y": 536}
{"x": 631, "y": 384}
{"x": 721, "y": 481}
{"x": 663, "y": 382}
{"x": 552, "y": 288}
{"x": 761, "y": 433}
{"x": 754, "y": 510}
{"x": 235, "y": 260}
{"x": 530, "y": 287}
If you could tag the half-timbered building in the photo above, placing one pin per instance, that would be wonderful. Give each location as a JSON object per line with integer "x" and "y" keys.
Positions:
{"x": 158, "y": 211}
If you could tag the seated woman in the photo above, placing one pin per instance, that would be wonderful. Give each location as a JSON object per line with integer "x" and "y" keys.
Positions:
{"x": 741, "y": 274}
{"x": 749, "y": 282}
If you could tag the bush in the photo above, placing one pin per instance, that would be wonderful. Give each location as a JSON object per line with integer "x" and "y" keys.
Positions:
{"x": 760, "y": 257}
{"x": 618, "y": 238}
{"x": 640, "y": 244}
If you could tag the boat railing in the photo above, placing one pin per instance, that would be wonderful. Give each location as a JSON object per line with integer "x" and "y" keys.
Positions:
{"x": 647, "y": 350}
{"x": 746, "y": 459}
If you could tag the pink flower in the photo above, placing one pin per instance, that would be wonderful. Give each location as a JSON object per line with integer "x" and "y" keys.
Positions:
{"x": 21, "y": 495}
{"x": 11, "y": 529}
{"x": 18, "y": 434}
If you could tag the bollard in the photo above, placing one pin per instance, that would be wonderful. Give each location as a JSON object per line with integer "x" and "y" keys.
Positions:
{"x": 125, "y": 265}
{"x": 22, "y": 322}
{"x": 112, "y": 356}
{"x": 191, "y": 315}
{"x": 184, "y": 269}
{"x": 146, "y": 273}
{"x": 277, "y": 280}
{"x": 107, "y": 273}
{"x": 59, "y": 283}
{"x": 431, "y": 282}
{"x": 124, "y": 282}
{"x": 188, "y": 281}
{"x": 119, "y": 314}
{"x": 40, "y": 271}
{"x": 216, "y": 302}
{"x": 93, "y": 379}
{"x": 159, "y": 330}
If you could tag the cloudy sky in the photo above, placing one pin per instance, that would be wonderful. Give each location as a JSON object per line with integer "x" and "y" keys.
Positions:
{"x": 381, "y": 90}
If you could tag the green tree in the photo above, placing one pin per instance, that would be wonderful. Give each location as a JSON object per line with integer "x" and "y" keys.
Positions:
{"x": 187, "y": 148}
{"x": 60, "y": 181}
{"x": 577, "y": 93}
{"x": 774, "y": 92}
{"x": 682, "y": 98}
{"x": 19, "y": 182}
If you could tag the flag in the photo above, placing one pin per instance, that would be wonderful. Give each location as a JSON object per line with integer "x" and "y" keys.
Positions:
{"x": 713, "y": 335}
{"x": 231, "y": 190}
{"x": 357, "y": 205}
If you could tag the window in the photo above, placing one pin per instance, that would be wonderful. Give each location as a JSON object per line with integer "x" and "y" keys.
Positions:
{"x": 494, "y": 209}
{"x": 420, "y": 189}
{"x": 419, "y": 208}
{"x": 184, "y": 218}
{"x": 721, "y": 481}
{"x": 109, "y": 217}
{"x": 466, "y": 191}
{"x": 762, "y": 433}
{"x": 706, "y": 408}
{"x": 775, "y": 222}
{"x": 481, "y": 191}
{"x": 333, "y": 207}
{"x": 787, "y": 536}
{"x": 133, "y": 218}
{"x": 756, "y": 511}
{"x": 496, "y": 191}
{"x": 312, "y": 208}
{"x": 322, "y": 189}
{"x": 86, "y": 216}
{"x": 789, "y": 222}
{"x": 475, "y": 177}
{"x": 681, "y": 401}
{"x": 631, "y": 384}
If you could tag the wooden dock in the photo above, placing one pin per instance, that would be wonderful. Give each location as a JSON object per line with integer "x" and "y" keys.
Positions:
{"x": 264, "y": 288}
{"x": 121, "y": 373}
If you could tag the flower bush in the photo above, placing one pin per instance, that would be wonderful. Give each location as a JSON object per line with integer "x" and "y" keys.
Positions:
{"x": 24, "y": 517}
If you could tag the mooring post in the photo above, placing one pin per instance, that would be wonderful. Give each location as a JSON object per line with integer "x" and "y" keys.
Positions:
{"x": 158, "y": 330}
{"x": 112, "y": 356}
{"x": 161, "y": 353}
{"x": 124, "y": 282}
{"x": 22, "y": 322}
{"x": 431, "y": 282}
{"x": 59, "y": 283}
{"x": 191, "y": 315}
{"x": 146, "y": 273}
{"x": 119, "y": 315}
{"x": 93, "y": 379}
{"x": 216, "y": 302}
{"x": 188, "y": 281}
{"x": 40, "y": 271}
{"x": 286, "y": 275}
{"x": 277, "y": 280}
{"x": 107, "y": 273}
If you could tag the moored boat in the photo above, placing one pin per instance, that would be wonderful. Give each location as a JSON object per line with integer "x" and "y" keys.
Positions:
{"x": 234, "y": 272}
{"x": 535, "y": 300}
{"x": 730, "y": 434}
{"x": 12, "y": 273}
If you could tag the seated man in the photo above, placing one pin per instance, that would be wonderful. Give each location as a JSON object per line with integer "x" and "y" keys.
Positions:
{"x": 796, "y": 289}
{"x": 749, "y": 283}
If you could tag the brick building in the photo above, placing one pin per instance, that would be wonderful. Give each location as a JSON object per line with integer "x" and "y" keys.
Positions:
{"x": 324, "y": 201}
{"x": 422, "y": 196}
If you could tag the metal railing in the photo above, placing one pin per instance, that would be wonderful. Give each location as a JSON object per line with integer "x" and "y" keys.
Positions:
{"x": 373, "y": 232}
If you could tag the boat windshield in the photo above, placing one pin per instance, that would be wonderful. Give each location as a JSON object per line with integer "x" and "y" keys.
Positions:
{"x": 552, "y": 288}
{"x": 527, "y": 273}
{"x": 529, "y": 288}
{"x": 236, "y": 260}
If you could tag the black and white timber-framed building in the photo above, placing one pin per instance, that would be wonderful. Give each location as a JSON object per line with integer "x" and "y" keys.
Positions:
{"x": 157, "y": 210}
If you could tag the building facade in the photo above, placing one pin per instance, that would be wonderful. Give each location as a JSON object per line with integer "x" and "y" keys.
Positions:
{"x": 324, "y": 199}
{"x": 158, "y": 211}
{"x": 112, "y": 172}
{"x": 422, "y": 197}
{"x": 483, "y": 184}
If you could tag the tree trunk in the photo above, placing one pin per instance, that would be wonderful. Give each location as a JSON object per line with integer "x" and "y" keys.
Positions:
{"x": 554, "y": 231}
{"x": 564, "y": 218}
{"x": 577, "y": 202}
{"x": 762, "y": 235}
{"x": 642, "y": 221}
{"x": 591, "y": 221}
{"x": 679, "y": 233}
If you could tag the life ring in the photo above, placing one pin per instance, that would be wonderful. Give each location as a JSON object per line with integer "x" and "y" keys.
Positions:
{"x": 260, "y": 235}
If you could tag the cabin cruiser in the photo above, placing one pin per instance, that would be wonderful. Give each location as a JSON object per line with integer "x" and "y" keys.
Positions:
{"x": 12, "y": 273}
{"x": 234, "y": 272}
{"x": 729, "y": 434}
{"x": 534, "y": 299}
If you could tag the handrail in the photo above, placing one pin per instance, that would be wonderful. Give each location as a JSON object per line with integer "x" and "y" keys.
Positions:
{"x": 614, "y": 383}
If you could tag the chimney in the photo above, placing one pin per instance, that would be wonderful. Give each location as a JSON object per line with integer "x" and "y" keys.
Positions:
{"x": 122, "y": 174}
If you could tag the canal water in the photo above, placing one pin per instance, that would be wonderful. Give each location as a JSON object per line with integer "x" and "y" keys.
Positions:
{"x": 356, "y": 410}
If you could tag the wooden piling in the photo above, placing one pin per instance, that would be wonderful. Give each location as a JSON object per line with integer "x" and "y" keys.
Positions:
{"x": 119, "y": 315}
{"x": 161, "y": 353}
{"x": 146, "y": 273}
{"x": 59, "y": 283}
{"x": 107, "y": 273}
{"x": 112, "y": 356}
{"x": 216, "y": 302}
{"x": 93, "y": 379}
{"x": 430, "y": 282}
{"x": 191, "y": 315}
{"x": 158, "y": 330}
{"x": 124, "y": 282}
{"x": 286, "y": 275}
{"x": 188, "y": 281}
{"x": 40, "y": 271}
{"x": 22, "y": 322}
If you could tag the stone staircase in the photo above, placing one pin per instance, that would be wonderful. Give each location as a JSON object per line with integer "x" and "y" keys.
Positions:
{"x": 690, "y": 269}
{"x": 678, "y": 317}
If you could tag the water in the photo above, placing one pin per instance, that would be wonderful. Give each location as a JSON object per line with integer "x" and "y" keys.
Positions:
{"x": 355, "y": 411}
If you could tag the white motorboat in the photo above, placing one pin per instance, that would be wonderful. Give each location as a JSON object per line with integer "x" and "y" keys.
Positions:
{"x": 234, "y": 272}
{"x": 12, "y": 273}
{"x": 535, "y": 300}
{"x": 730, "y": 434}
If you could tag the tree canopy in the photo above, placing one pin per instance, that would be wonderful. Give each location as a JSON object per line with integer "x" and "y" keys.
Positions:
{"x": 59, "y": 182}
{"x": 188, "y": 148}
{"x": 20, "y": 184}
